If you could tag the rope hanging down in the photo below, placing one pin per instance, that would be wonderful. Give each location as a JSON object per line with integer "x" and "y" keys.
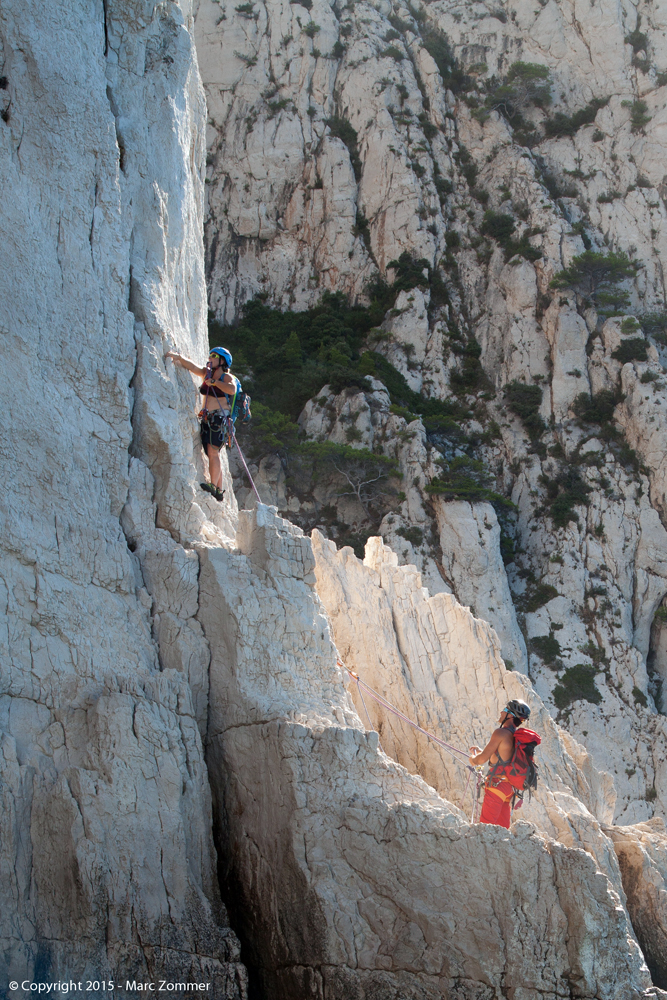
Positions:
{"x": 245, "y": 466}
{"x": 451, "y": 750}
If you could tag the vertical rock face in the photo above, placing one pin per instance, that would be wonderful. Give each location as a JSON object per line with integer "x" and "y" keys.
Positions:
{"x": 107, "y": 856}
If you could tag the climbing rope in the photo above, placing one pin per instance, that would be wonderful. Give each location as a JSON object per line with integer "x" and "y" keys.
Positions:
{"x": 451, "y": 750}
{"x": 233, "y": 435}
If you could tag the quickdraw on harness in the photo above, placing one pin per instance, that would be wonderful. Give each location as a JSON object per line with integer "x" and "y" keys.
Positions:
{"x": 520, "y": 771}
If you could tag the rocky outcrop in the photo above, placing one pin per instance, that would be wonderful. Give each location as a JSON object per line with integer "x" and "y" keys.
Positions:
{"x": 353, "y": 877}
{"x": 642, "y": 855}
{"x": 107, "y": 852}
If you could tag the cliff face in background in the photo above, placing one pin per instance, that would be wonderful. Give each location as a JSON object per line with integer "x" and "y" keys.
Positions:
{"x": 340, "y": 137}
{"x": 170, "y": 667}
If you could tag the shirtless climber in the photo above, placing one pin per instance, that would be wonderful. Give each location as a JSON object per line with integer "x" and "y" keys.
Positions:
{"x": 499, "y": 751}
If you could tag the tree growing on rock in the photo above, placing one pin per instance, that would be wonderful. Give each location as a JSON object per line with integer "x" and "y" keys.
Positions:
{"x": 526, "y": 85}
{"x": 595, "y": 275}
{"x": 355, "y": 472}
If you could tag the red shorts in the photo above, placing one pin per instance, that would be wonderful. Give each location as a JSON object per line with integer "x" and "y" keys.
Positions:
{"x": 497, "y": 807}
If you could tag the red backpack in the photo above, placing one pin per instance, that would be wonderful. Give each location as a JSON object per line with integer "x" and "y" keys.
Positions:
{"x": 520, "y": 770}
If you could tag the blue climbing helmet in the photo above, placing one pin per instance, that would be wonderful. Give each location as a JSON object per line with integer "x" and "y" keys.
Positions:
{"x": 223, "y": 353}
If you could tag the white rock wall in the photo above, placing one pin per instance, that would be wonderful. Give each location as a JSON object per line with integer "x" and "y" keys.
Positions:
{"x": 108, "y": 862}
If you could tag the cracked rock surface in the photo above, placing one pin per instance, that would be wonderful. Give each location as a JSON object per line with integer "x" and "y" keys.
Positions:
{"x": 108, "y": 864}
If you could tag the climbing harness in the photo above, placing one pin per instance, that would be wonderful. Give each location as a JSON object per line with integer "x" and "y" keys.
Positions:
{"x": 463, "y": 758}
{"x": 224, "y": 420}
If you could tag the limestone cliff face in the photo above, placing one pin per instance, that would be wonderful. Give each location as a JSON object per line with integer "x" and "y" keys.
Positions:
{"x": 107, "y": 854}
{"x": 169, "y": 670}
{"x": 377, "y": 147}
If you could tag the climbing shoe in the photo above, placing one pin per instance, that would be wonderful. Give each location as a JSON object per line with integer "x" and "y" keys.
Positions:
{"x": 217, "y": 493}
{"x": 208, "y": 488}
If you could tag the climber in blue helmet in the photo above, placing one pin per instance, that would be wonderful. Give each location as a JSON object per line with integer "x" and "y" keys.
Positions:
{"x": 218, "y": 389}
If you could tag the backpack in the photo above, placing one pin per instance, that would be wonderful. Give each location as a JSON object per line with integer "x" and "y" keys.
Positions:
{"x": 240, "y": 405}
{"x": 520, "y": 770}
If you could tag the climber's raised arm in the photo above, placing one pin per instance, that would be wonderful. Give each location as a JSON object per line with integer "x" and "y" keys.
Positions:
{"x": 178, "y": 359}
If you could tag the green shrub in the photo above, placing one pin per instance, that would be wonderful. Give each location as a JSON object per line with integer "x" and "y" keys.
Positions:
{"x": 596, "y": 653}
{"x": 409, "y": 272}
{"x": 436, "y": 44}
{"x": 498, "y": 225}
{"x": 311, "y": 29}
{"x": 637, "y": 39}
{"x": 608, "y": 197}
{"x": 564, "y": 492}
{"x": 277, "y": 106}
{"x": 526, "y": 85}
{"x": 403, "y": 411}
{"x": 524, "y": 401}
{"x": 413, "y": 534}
{"x": 469, "y": 377}
{"x": 340, "y": 128}
{"x": 557, "y": 187}
{"x": 467, "y": 165}
{"x": 535, "y": 597}
{"x": 428, "y": 128}
{"x": 360, "y": 473}
{"x": 577, "y": 684}
{"x": 466, "y": 478}
{"x": 564, "y": 125}
{"x": 591, "y": 271}
{"x": 292, "y": 355}
{"x": 443, "y": 186}
{"x": 655, "y": 325}
{"x": 631, "y": 350}
{"x": 392, "y": 52}
{"x": 638, "y": 117}
{"x": 547, "y": 648}
{"x": 640, "y": 697}
{"x": 598, "y": 409}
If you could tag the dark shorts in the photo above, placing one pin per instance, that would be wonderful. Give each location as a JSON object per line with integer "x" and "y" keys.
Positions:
{"x": 213, "y": 430}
